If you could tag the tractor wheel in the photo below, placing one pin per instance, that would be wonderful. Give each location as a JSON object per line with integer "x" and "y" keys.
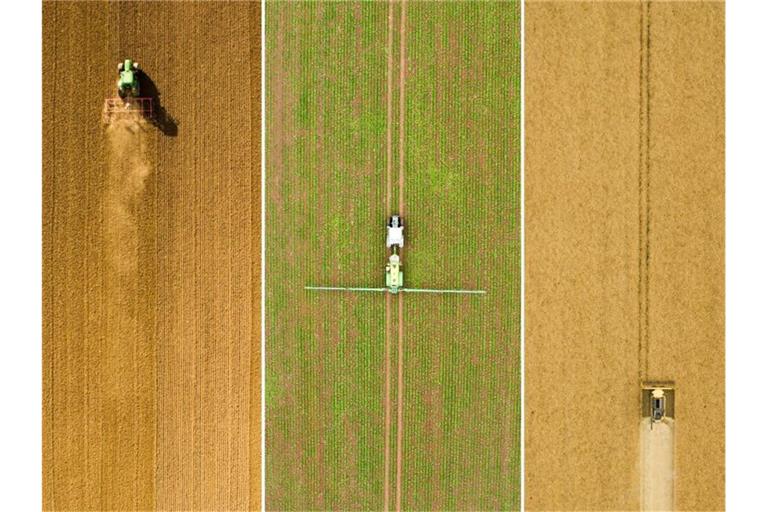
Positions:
{"x": 135, "y": 66}
{"x": 119, "y": 67}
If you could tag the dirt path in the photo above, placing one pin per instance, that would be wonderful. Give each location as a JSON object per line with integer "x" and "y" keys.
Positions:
{"x": 400, "y": 387}
{"x": 657, "y": 468}
{"x": 402, "y": 109}
{"x": 387, "y": 400}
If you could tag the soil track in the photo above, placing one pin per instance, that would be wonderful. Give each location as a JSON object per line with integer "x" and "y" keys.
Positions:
{"x": 150, "y": 259}
{"x": 657, "y": 463}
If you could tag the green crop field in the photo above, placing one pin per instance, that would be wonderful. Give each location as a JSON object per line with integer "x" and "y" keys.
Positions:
{"x": 327, "y": 121}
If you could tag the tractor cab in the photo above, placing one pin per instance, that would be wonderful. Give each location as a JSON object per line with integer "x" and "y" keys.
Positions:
{"x": 128, "y": 82}
{"x": 658, "y": 405}
{"x": 394, "y": 274}
{"x": 395, "y": 232}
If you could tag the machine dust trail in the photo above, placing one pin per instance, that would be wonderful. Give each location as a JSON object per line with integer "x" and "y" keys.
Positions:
{"x": 125, "y": 174}
{"x": 128, "y": 168}
{"x": 657, "y": 464}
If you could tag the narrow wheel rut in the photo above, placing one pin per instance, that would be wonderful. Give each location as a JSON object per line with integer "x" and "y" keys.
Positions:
{"x": 400, "y": 211}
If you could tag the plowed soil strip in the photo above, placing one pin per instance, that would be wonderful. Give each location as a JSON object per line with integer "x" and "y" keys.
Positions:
{"x": 399, "y": 401}
{"x": 402, "y": 108}
{"x": 390, "y": 16}
{"x": 387, "y": 407}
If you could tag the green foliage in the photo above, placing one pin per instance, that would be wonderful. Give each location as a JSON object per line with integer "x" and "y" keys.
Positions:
{"x": 326, "y": 189}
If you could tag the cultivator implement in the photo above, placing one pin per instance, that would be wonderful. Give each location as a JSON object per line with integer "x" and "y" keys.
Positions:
{"x": 118, "y": 108}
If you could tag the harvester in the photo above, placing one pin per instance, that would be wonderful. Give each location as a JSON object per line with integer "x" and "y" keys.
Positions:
{"x": 658, "y": 401}
{"x": 128, "y": 100}
{"x": 393, "y": 271}
{"x": 658, "y": 405}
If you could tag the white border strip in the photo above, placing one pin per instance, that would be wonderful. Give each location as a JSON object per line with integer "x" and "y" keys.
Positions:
{"x": 746, "y": 254}
{"x": 21, "y": 260}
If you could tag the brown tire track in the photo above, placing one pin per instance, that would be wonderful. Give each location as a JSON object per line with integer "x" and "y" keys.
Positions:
{"x": 390, "y": 65}
{"x": 399, "y": 489}
{"x": 401, "y": 198}
{"x": 387, "y": 399}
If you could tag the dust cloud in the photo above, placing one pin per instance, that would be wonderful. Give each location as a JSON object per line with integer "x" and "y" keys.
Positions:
{"x": 657, "y": 452}
{"x": 129, "y": 166}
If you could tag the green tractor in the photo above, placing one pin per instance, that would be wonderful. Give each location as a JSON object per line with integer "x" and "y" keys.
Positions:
{"x": 128, "y": 103}
{"x": 128, "y": 83}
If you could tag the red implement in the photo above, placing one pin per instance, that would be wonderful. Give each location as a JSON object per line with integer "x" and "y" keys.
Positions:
{"x": 115, "y": 108}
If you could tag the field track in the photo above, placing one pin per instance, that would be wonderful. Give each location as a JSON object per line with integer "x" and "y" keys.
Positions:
{"x": 151, "y": 236}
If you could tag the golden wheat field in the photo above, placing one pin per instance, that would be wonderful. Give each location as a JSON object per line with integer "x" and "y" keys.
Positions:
{"x": 151, "y": 236}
